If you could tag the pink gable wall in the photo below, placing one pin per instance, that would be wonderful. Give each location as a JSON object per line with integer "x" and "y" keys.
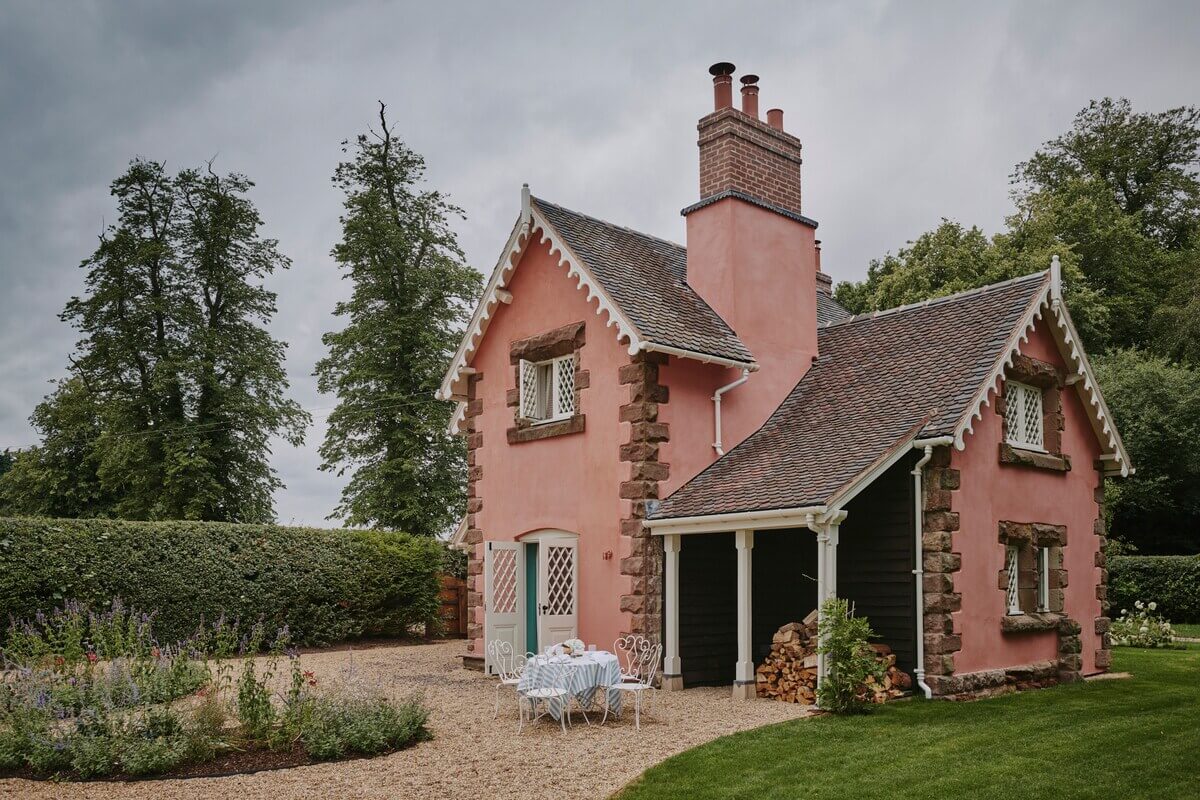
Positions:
{"x": 991, "y": 492}
{"x": 565, "y": 482}
{"x": 758, "y": 270}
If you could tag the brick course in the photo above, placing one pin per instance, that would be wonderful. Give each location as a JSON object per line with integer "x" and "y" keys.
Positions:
{"x": 741, "y": 153}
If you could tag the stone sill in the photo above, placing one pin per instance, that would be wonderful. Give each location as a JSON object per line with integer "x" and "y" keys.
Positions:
{"x": 1035, "y": 622}
{"x": 1033, "y": 458}
{"x": 546, "y": 430}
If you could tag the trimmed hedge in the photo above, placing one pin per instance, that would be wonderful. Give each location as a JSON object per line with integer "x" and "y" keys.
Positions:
{"x": 1173, "y": 582}
{"x": 325, "y": 585}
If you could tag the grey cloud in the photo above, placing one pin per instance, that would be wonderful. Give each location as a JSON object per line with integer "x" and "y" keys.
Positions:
{"x": 909, "y": 112}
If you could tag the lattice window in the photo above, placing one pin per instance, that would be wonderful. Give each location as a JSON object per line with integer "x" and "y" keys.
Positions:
{"x": 548, "y": 389}
{"x": 528, "y": 389}
{"x": 1013, "y": 566}
{"x": 1023, "y": 415}
{"x": 504, "y": 581}
{"x": 1043, "y": 575}
{"x": 560, "y": 580}
{"x": 564, "y": 386}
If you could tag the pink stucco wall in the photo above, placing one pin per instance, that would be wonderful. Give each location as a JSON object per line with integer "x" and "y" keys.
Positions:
{"x": 761, "y": 275}
{"x": 569, "y": 482}
{"x": 991, "y": 492}
{"x": 757, "y": 269}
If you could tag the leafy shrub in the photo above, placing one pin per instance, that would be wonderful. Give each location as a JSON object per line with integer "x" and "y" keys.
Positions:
{"x": 324, "y": 585}
{"x": 337, "y": 727}
{"x": 1173, "y": 582}
{"x": 1141, "y": 627}
{"x": 844, "y": 641}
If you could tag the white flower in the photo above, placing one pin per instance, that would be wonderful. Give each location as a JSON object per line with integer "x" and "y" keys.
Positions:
{"x": 1145, "y": 629}
{"x": 1153, "y": 605}
{"x": 1138, "y": 605}
{"x": 1123, "y": 612}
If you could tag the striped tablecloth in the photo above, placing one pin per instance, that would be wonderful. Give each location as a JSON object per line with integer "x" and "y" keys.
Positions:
{"x": 585, "y": 675}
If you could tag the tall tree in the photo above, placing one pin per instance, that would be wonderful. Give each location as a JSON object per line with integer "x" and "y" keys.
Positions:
{"x": 1157, "y": 407}
{"x": 175, "y": 387}
{"x": 235, "y": 368}
{"x": 411, "y": 297}
{"x": 1145, "y": 163}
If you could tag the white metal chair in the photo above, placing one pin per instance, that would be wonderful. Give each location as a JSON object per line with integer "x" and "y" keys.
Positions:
{"x": 554, "y": 675}
{"x": 639, "y": 659}
{"x": 508, "y": 667}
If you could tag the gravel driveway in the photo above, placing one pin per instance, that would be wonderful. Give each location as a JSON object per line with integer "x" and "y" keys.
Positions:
{"x": 472, "y": 755}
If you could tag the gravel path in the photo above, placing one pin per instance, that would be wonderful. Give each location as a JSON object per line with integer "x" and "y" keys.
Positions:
{"x": 472, "y": 755}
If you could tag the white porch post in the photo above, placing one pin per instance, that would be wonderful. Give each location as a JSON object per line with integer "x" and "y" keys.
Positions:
{"x": 672, "y": 674}
{"x": 743, "y": 685}
{"x": 827, "y": 542}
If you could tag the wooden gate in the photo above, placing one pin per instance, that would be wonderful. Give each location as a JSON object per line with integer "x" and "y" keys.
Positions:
{"x": 453, "y": 610}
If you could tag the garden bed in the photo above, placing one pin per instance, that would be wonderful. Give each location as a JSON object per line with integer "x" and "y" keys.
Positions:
{"x": 87, "y": 696}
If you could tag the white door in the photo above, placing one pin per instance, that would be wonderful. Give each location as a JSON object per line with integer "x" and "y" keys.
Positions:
{"x": 558, "y": 591}
{"x": 503, "y": 573}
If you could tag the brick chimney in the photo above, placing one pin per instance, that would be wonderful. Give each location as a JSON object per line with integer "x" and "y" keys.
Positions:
{"x": 751, "y": 253}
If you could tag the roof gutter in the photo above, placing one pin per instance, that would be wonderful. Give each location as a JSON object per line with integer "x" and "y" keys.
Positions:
{"x": 800, "y": 517}
{"x": 918, "y": 471}
{"x": 667, "y": 349}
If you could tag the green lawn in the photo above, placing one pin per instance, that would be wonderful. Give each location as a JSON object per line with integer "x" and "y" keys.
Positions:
{"x": 1191, "y": 631}
{"x": 1129, "y": 738}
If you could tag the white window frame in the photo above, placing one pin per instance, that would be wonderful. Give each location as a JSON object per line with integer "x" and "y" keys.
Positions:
{"x": 1043, "y": 573}
{"x": 1012, "y": 564}
{"x": 559, "y": 399}
{"x": 1017, "y": 396}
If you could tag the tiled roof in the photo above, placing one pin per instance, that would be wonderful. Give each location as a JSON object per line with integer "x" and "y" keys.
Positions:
{"x": 646, "y": 277}
{"x": 880, "y": 380}
{"x": 829, "y": 310}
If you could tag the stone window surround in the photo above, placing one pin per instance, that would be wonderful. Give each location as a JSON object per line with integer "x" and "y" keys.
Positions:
{"x": 562, "y": 341}
{"x": 1028, "y": 537}
{"x": 1050, "y": 379}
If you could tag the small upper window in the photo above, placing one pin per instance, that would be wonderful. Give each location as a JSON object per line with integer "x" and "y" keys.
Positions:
{"x": 1023, "y": 415}
{"x": 548, "y": 389}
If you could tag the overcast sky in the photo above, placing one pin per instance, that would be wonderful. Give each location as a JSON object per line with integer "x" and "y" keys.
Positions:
{"x": 909, "y": 112}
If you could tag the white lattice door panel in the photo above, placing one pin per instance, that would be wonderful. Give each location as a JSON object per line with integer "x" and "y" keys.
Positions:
{"x": 558, "y": 591}
{"x": 503, "y": 600}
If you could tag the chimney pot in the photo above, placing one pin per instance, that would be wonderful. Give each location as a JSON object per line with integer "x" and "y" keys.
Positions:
{"x": 750, "y": 95}
{"x": 775, "y": 118}
{"x": 722, "y": 73}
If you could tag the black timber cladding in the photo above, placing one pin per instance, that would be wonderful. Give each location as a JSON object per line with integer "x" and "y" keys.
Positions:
{"x": 875, "y": 560}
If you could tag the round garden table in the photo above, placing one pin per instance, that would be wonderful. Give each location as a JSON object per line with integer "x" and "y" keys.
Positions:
{"x": 585, "y": 675}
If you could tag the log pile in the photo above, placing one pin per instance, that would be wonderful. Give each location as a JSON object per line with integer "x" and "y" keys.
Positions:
{"x": 789, "y": 672}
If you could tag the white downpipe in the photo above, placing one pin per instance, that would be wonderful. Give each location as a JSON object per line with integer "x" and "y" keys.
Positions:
{"x": 717, "y": 408}
{"x": 919, "y": 558}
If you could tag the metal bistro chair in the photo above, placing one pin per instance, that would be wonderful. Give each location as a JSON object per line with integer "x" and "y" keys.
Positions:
{"x": 508, "y": 667}
{"x": 639, "y": 660}
{"x": 553, "y": 677}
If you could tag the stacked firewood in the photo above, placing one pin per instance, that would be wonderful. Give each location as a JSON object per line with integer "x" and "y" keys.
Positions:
{"x": 789, "y": 672}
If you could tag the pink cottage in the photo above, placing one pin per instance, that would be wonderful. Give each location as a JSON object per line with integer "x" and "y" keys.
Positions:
{"x": 699, "y": 444}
